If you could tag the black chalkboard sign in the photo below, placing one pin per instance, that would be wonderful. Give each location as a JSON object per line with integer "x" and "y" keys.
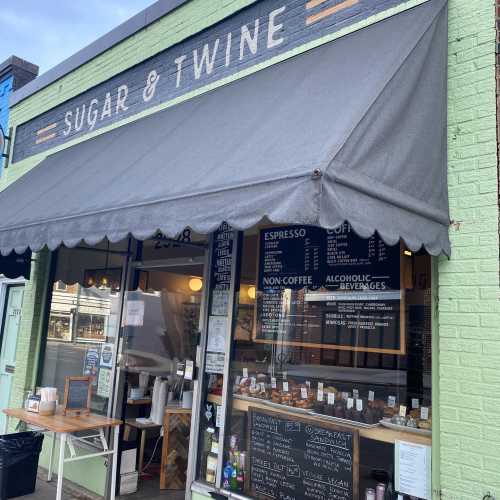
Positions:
{"x": 77, "y": 394}
{"x": 329, "y": 289}
{"x": 294, "y": 458}
{"x": 221, "y": 269}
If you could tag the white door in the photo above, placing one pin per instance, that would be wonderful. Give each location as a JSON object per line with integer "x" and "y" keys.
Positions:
{"x": 8, "y": 344}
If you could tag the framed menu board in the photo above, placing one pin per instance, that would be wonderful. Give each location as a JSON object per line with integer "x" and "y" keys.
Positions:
{"x": 77, "y": 395}
{"x": 329, "y": 289}
{"x": 297, "y": 457}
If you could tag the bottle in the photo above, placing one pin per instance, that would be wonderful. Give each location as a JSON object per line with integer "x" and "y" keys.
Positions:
{"x": 234, "y": 474}
{"x": 240, "y": 480}
{"x": 214, "y": 447}
{"x": 211, "y": 468}
{"x": 228, "y": 473}
{"x": 380, "y": 491}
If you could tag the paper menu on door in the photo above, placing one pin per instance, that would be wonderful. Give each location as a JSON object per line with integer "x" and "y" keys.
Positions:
{"x": 217, "y": 331}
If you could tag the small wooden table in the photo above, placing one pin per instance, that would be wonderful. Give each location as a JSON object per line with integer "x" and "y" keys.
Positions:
{"x": 66, "y": 426}
{"x": 143, "y": 428}
{"x": 174, "y": 454}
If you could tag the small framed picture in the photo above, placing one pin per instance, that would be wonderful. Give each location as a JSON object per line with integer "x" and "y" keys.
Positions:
{"x": 33, "y": 404}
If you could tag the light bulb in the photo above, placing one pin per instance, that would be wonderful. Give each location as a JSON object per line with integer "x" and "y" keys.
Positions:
{"x": 195, "y": 284}
{"x": 251, "y": 292}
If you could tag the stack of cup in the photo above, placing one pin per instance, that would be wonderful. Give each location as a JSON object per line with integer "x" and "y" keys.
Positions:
{"x": 48, "y": 401}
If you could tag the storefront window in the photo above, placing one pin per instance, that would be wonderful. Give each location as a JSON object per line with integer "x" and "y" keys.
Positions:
{"x": 330, "y": 367}
{"x": 83, "y": 320}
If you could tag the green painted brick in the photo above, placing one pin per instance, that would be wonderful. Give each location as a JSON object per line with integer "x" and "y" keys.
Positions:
{"x": 459, "y": 319}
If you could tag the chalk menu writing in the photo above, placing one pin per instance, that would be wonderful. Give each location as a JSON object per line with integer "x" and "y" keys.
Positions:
{"x": 328, "y": 287}
{"x": 293, "y": 458}
{"x": 221, "y": 269}
{"x": 78, "y": 391}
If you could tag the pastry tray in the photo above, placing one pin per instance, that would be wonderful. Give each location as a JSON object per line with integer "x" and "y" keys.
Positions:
{"x": 405, "y": 428}
{"x": 303, "y": 411}
{"x": 345, "y": 421}
{"x": 271, "y": 404}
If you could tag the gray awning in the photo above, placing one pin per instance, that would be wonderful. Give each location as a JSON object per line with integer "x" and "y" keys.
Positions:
{"x": 367, "y": 111}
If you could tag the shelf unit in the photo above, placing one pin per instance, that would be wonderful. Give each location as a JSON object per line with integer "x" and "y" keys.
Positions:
{"x": 378, "y": 433}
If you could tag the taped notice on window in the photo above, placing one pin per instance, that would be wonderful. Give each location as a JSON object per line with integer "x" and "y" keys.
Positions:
{"x": 217, "y": 330}
{"x": 134, "y": 313}
{"x": 214, "y": 362}
{"x": 413, "y": 469}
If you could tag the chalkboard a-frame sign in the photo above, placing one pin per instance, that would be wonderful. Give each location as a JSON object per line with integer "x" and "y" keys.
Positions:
{"x": 297, "y": 457}
{"x": 77, "y": 395}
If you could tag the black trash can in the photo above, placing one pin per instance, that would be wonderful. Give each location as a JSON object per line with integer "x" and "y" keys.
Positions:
{"x": 19, "y": 455}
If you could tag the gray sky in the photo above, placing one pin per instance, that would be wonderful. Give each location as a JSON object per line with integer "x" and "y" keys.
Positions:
{"x": 47, "y": 32}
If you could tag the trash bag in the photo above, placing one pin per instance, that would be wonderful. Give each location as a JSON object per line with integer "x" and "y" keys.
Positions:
{"x": 19, "y": 455}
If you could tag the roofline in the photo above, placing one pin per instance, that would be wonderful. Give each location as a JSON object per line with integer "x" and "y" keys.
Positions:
{"x": 144, "y": 18}
{"x": 16, "y": 62}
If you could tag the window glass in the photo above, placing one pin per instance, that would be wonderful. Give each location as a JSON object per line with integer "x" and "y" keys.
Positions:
{"x": 332, "y": 336}
{"x": 83, "y": 320}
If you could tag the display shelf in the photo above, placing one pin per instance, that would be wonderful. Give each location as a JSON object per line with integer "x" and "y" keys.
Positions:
{"x": 138, "y": 402}
{"x": 214, "y": 398}
{"x": 379, "y": 433}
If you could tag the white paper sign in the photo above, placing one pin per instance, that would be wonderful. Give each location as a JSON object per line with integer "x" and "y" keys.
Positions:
{"x": 217, "y": 330}
{"x": 104, "y": 383}
{"x": 331, "y": 398}
{"x": 350, "y": 403}
{"x": 355, "y": 393}
{"x": 106, "y": 359}
{"x": 303, "y": 392}
{"x": 415, "y": 403}
{"x": 413, "y": 469}
{"x": 285, "y": 386}
{"x": 219, "y": 302}
{"x": 371, "y": 395}
{"x": 424, "y": 413}
{"x": 214, "y": 362}
{"x": 273, "y": 382}
{"x": 359, "y": 404}
{"x": 391, "y": 401}
{"x": 134, "y": 314}
{"x": 218, "y": 416}
{"x": 320, "y": 395}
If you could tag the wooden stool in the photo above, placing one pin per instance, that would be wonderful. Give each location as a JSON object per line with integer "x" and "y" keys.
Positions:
{"x": 174, "y": 456}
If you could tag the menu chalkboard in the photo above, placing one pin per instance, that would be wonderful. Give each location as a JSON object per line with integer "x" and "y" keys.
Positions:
{"x": 329, "y": 289}
{"x": 77, "y": 394}
{"x": 221, "y": 269}
{"x": 297, "y": 458}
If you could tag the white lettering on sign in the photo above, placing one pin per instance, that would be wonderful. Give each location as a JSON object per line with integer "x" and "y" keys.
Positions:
{"x": 207, "y": 60}
{"x": 150, "y": 88}
{"x": 260, "y": 32}
{"x": 75, "y": 119}
{"x": 248, "y": 39}
{"x": 273, "y": 28}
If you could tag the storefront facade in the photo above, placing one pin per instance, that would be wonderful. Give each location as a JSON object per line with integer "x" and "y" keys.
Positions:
{"x": 14, "y": 73}
{"x": 456, "y": 298}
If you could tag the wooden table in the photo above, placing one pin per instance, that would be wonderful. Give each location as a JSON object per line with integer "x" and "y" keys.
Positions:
{"x": 65, "y": 427}
{"x": 143, "y": 428}
{"x": 174, "y": 454}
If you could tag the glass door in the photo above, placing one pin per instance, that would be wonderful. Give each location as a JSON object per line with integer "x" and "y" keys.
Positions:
{"x": 8, "y": 343}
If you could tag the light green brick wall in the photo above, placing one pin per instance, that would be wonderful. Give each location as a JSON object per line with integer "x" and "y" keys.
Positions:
{"x": 469, "y": 305}
{"x": 28, "y": 343}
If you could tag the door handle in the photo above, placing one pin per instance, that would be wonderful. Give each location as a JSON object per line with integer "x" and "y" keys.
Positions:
{"x": 9, "y": 369}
